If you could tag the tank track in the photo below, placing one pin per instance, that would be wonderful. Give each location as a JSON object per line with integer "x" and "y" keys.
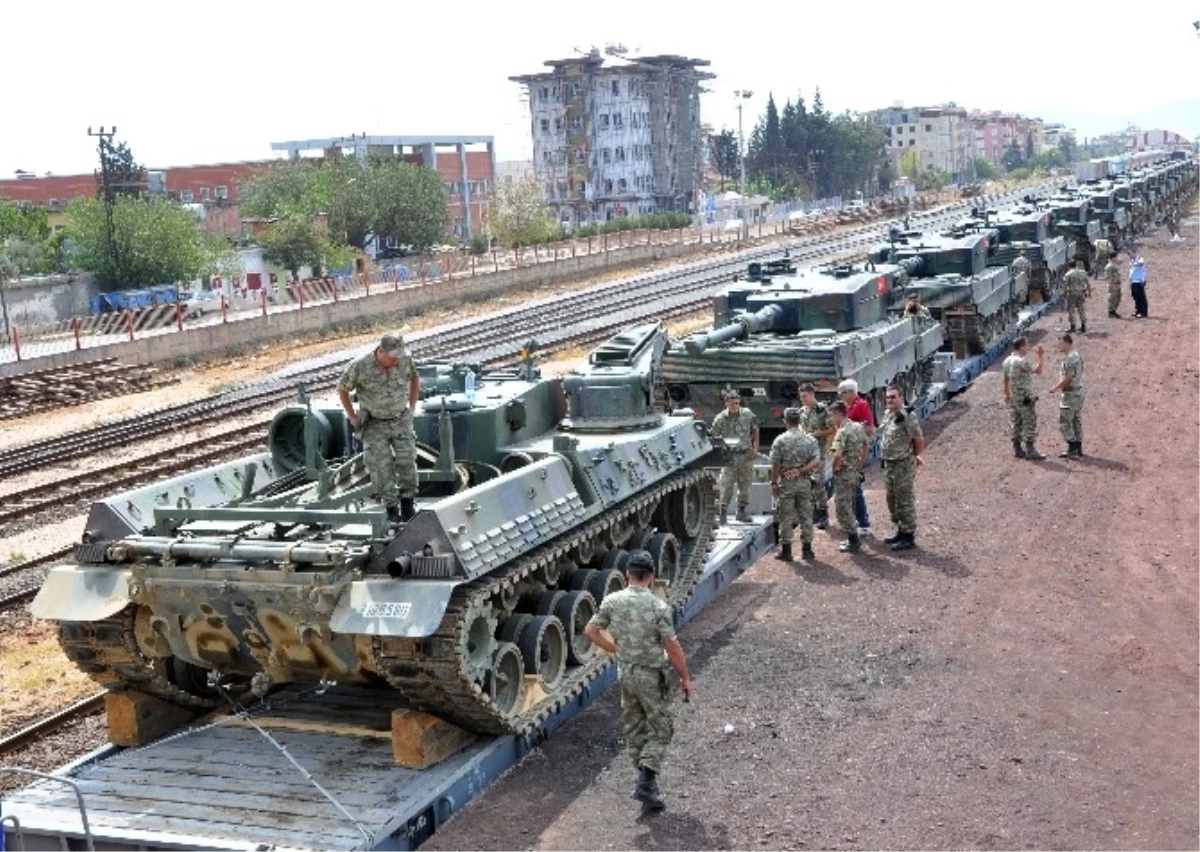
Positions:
{"x": 107, "y": 651}
{"x": 431, "y": 673}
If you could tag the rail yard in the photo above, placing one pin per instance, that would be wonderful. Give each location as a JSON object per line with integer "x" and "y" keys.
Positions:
{"x": 851, "y": 701}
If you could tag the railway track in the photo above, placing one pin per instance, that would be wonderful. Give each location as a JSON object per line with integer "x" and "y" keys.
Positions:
{"x": 51, "y": 723}
{"x": 20, "y": 582}
{"x": 44, "y": 390}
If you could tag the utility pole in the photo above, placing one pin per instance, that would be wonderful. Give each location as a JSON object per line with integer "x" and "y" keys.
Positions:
{"x": 102, "y": 146}
{"x": 742, "y": 95}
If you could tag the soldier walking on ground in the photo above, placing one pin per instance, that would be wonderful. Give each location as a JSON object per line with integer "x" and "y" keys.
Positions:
{"x": 794, "y": 458}
{"x": 858, "y": 410}
{"x": 1021, "y": 400}
{"x": 850, "y": 446}
{"x": 1112, "y": 274}
{"x": 1070, "y": 409}
{"x": 737, "y": 424}
{"x": 638, "y": 627}
{"x": 903, "y": 444}
{"x": 1137, "y": 287}
{"x": 1078, "y": 289}
{"x": 388, "y": 389}
{"x": 814, "y": 420}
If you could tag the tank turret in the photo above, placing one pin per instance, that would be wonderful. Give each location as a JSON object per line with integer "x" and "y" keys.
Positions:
{"x": 280, "y": 567}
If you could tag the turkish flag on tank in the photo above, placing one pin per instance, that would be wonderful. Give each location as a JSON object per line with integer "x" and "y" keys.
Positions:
{"x": 883, "y": 288}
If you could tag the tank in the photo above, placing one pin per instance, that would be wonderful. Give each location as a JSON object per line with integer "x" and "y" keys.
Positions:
{"x": 781, "y": 326}
{"x": 1023, "y": 228}
{"x": 973, "y": 299}
{"x": 278, "y": 568}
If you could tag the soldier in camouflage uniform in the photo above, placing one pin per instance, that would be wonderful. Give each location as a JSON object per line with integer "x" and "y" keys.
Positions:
{"x": 1104, "y": 250}
{"x": 1020, "y": 398}
{"x": 641, "y": 633}
{"x": 814, "y": 420}
{"x": 737, "y": 424}
{"x": 1078, "y": 288}
{"x": 913, "y": 307}
{"x": 794, "y": 458}
{"x": 850, "y": 448}
{"x": 902, "y": 445}
{"x": 1112, "y": 274}
{"x": 388, "y": 388}
{"x": 1173, "y": 222}
{"x": 1070, "y": 410}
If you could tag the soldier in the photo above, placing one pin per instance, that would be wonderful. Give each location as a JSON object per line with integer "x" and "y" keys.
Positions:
{"x": 1104, "y": 250}
{"x": 1078, "y": 288}
{"x": 903, "y": 444}
{"x": 858, "y": 410}
{"x": 915, "y": 308}
{"x": 1173, "y": 222}
{"x": 737, "y": 424}
{"x": 1070, "y": 409}
{"x": 388, "y": 389}
{"x": 638, "y": 627}
{"x": 814, "y": 419}
{"x": 1112, "y": 274}
{"x": 794, "y": 458}
{"x": 850, "y": 446}
{"x": 1021, "y": 265}
{"x": 1020, "y": 399}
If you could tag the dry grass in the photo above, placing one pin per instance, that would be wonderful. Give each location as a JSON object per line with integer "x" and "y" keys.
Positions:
{"x": 35, "y": 677}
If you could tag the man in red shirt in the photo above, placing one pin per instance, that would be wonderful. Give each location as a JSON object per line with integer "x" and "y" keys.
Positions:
{"x": 858, "y": 410}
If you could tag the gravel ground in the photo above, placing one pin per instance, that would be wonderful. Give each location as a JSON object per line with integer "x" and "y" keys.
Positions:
{"x": 1026, "y": 678}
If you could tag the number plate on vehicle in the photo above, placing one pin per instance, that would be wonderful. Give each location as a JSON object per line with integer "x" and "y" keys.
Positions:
{"x": 387, "y": 610}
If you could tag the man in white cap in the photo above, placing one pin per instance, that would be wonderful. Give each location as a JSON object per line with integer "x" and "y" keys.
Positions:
{"x": 858, "y": 410}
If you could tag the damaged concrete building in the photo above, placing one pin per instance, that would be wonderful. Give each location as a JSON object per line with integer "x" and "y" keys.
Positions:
{"x": 616, "y": 135}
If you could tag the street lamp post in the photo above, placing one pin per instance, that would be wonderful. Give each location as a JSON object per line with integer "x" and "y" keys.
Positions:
{"x": 742, "y": 95}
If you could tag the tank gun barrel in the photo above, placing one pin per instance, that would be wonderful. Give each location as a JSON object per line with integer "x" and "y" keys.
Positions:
{"x": 746, "y": 324}
{"x": 912, "y": 265}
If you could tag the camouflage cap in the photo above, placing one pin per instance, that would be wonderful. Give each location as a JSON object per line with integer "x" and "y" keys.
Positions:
{"x": 393, "y": 344}
{"x": 792, "y": 415}
{"x": 731, "y": 394}
{"x": 640, "y": 560}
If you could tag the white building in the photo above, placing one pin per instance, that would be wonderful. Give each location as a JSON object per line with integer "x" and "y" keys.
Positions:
{"x": 617, "y": 136}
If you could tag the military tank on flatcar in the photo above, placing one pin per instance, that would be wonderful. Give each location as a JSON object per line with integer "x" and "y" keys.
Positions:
{"x": 1113, "y": 216}
{"x": 782, "y": 326}
{"x": 1027, "y": 229}
{"x": 1073, "y": 220}
{"x": 278, "y": 568}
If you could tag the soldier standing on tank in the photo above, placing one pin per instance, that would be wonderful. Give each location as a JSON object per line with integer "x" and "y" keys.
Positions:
{"x": 914, "y": 308}
{"x": 737, "y": 424}
{"x": 814, "y": 419}
{"x": 1104, "y": 250}
{"x": 903, "y": 443}
{"x": 794, "y": 458}
{"x": 1070, "y": 409}
{"x": 1021, "y": 265}
{"x": 1112, "y": 274}
{"x": 1020, "y": 399}
{"x": 1078, "y": 289}
{"x": 388, "y": 388}
{"x": 638, "y": 627}
{"x": 850, "y": 447}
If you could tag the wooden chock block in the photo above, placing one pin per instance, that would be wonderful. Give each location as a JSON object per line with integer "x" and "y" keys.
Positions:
{"x": 135, "y": 718}
{"x": 534, "y": 692}
{"x": 420, "y": 740}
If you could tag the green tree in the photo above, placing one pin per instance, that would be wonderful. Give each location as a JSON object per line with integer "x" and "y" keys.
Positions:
{"x": 910, "y": 164}
{"x": 121, "y": 170}
{"x": 409, "y": 203}
{"x": 724, "y": 149}
{"x": 30, "y": 227}
{"x": 1069, "y": 147}
{"x": 932, "y": 179}
{"x": 1013, "y": 156}
{"x": 518, "y": 216}
{"x": 158, "y": 242}
{"x": 293, "y": 242}
{"x": 984, "y": 169}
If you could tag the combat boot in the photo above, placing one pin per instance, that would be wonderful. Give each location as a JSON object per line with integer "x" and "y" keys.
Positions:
{"x": 1018, "y": 453}
{"x": 407, "y": 509}
{"x": 1071, "y": 452}
{"x": 806, "y": 551}
{"x": 393, "y": 515}
{"x": 1079, "y": 448}
{"x": 822, "y": 521}
{"x": 892, "y": 539}
{"x": 904, "y": 541}
{"x": 1083, "y": 328}
{"x": 743, "y": 515}
{"x": 646, "y": 790}
{"x": 785, "y": 552}
{"x": 851, "y": 545}
{"x": 1076, "y": 450}
{"x": 1031, "y": 453}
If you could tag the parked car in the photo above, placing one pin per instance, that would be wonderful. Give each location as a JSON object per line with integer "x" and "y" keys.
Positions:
{"x": 200, "y": 303}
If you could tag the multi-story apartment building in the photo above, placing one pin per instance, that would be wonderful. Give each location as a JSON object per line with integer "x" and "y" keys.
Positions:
{"x": 616, "y": 136}
{"x": 941, "y": 137}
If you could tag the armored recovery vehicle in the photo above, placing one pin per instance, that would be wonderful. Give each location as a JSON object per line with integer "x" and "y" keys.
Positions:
{"x": 278, "y": 568}
{"x": 781, "y": 327}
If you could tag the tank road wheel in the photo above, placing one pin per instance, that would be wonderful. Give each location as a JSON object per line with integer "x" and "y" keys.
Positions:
{"x": 511, "y": 627}
{"x": 505, "y": 682}
{"x": 548, "y": 601}
{"x": 575, "y": 610}
{"x": 605, "y": 582}
{"x": 544, "y": 649}
{"x": 479, "y": 642}
{"x": 683, "y": 512}
{"x": 615, "y": 560}
{"x": 664, "y": 550}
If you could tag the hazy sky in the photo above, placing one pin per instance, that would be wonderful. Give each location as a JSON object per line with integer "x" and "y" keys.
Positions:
{"x": 189, "y": 82}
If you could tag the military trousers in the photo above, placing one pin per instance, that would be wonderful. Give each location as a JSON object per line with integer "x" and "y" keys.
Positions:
{"x": 820, "y": 496}
{"x": 845, "y": 484}
{"x": 389, "y": 451}
{"x": 1070, "y": 416}
{"x": 1023, "y": 416}
{"x": 739, "y": 474}
{"x": 1099, "y": 264}
{"x": 1114, "y": 297}
{"x": 796, "y": 507}
{"x": 647, "y": 717}
{"x": 899, "y": 477}
{"x": 1075, "y": 306}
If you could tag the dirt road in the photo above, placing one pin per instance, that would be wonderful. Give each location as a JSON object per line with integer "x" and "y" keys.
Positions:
{"x": 1027, "y": 678}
